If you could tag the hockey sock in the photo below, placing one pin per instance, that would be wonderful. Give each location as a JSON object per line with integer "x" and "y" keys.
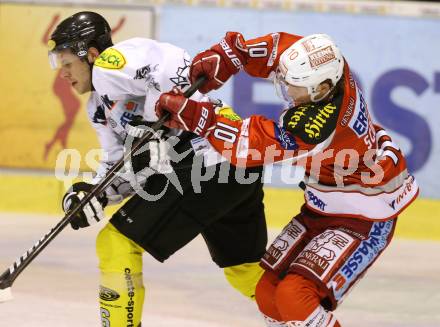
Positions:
{"x": 122, "y": 291}
{"x": 265, "y": 297}
{"x": 244, "y": 277}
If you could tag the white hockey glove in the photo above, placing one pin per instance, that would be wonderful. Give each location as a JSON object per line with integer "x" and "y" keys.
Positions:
{"x": 137, "y": 127}
{"x": 154, "y": 153}
{"x": 91, "y": 213}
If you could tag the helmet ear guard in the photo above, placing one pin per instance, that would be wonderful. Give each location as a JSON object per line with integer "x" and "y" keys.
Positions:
{"x": 81, "y": 49}
{"x": 311, "y": 61}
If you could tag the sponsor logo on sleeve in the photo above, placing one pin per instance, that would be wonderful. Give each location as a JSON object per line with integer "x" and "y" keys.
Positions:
{"x": 110, "y": 59}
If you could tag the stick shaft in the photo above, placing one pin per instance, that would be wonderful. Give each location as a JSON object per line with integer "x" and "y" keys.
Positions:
{"x": 9, "y": 275}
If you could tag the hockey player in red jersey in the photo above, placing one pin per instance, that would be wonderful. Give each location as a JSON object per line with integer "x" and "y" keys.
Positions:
{"x": 356, "y": 179}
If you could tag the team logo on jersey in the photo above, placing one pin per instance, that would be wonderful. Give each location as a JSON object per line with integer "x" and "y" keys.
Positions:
{"x": 181, "y": 79}
{"x": 110, "y": 59}
{"x": 286, "y": 140}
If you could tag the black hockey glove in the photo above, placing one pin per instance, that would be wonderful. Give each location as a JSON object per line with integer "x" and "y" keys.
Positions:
{"x": 91, "y": 213}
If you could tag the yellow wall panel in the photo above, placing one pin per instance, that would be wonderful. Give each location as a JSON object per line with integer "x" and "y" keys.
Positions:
{"x": 43, "y": 194}
{"x": 40, "y": 113}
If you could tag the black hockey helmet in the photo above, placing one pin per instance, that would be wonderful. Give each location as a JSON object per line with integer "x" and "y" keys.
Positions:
{"x": 81, "y": 31}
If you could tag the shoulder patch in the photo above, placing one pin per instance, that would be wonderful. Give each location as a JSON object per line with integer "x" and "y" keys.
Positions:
{"x": 313, "y": 123}
{"x": 286, "y": 140}
{"x": 110, "y": 59}
{"x": 319, "y": 121}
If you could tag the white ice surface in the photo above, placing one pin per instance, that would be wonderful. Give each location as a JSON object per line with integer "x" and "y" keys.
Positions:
{"x": 5, "y": 294}
{"x": 59, "y": 287}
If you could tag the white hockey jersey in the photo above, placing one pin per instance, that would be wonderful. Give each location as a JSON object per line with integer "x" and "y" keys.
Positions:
{"x": 128, "y": 79}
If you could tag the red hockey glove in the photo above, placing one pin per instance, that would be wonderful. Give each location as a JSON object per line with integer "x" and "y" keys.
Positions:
{"x": 186, "y": 114}
{"x": 220, "y": 62}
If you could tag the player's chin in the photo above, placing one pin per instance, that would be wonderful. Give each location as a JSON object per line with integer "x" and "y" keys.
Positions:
{"x": 80, "y": 89}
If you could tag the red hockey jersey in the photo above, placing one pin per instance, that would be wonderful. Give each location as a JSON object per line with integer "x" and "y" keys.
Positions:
{"x": 352, "y": 166}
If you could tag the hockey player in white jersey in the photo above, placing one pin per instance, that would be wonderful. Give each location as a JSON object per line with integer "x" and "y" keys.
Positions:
{"x": 125, "y": 81}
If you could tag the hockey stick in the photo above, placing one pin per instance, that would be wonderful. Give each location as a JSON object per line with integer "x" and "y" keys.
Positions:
{"x": 8, "y": 277}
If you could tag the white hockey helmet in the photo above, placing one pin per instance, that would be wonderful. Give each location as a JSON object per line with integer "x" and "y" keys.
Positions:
{"x": 307, "y": 63}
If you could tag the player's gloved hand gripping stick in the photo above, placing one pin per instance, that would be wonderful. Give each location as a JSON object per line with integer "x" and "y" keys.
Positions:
{"x": 8, "y": 277}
